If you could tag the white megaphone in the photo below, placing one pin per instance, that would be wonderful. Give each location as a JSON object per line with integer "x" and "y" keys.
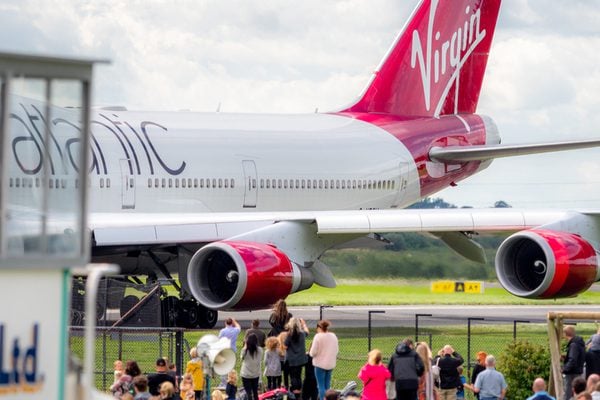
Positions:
{"x": 218, "y": 352}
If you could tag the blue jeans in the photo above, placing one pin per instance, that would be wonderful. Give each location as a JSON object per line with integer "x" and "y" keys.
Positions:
{"x": 323, "y": 377}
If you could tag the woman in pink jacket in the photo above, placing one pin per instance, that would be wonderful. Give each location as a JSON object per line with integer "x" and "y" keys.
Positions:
{"x": 374, "y": 374}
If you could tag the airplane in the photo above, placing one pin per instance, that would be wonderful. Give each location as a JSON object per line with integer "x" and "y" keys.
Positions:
{"x": 240, "y": 207}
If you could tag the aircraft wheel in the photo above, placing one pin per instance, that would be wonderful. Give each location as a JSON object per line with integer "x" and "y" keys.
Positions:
{"x": 127, "y": 303}
{"x": 170, "y": 311}
{"x": 188, "y": 314}
{"x": 208, "y": 318}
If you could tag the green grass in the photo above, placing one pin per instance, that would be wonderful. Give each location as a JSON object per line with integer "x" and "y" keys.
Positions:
{"x": 405, "y": 293}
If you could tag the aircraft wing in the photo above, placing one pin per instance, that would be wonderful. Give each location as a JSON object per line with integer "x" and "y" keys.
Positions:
{"x": 154, "y": 229}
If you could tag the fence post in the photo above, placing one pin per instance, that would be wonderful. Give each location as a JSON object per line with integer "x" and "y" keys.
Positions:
{"x": 515, "y": 322}
{"x": 469, "y": 341}
{"x": 321, "y": 307}
{"x": 179, "y": 351}
{"x": 369, "y": 326}
{"x": 417, "y": 326}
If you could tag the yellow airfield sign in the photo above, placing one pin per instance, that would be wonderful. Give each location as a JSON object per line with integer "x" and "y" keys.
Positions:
{"x": 473, "y": 287}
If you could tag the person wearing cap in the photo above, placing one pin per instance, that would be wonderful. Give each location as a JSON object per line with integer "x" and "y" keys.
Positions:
{"x": 592, "y": 356}
{"x": 161, "y": 375}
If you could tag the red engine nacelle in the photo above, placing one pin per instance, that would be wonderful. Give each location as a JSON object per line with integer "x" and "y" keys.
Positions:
{"x": 543, "y": 264}
{"x": 240, "y": 275}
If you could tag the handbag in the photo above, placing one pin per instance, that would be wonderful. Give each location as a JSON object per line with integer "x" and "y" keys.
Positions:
{"x": 435, "y": 371}
{"x": 390, "y": 389}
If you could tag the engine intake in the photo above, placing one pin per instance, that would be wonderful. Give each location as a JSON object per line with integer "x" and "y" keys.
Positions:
{"x": 241, "y": 275}
{"x": 543, "y": 264}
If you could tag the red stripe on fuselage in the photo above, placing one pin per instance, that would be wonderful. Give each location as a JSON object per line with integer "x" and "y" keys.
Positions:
{"x": 419, "y": 135}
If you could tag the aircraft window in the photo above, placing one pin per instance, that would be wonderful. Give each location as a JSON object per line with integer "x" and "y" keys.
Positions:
{"x": 389, "y": 184}
{"x": 164, "y": 182}
{"x": 220, "y": 183}
{"x": 308, "y": 184}
{"x": 214, "y": 183}
{"x": 369, "y": 184}
{"x": 183, "y": 183}
{"x": 337, "y": 183}
{"x": 76, "y": 183}
{"x": 262, "y": 183}
{"x": 101, "y": 182}
{"x": 156, "y": 182}
{"x": 297, "y": 183}
{"x": 343, "y": 184}
{"x": 226, "y": 182}
{"x": 170, "y": 182}
{"x": 326, "y": 184}
{"x": 232, "y": 183}
{"x": 378, "y": 184}
{"x": 353, "y": 184}
{"x": 268, "y": 184}
{"x": 37, "y": 182}
{"x": 202, "y": 182}
{"x": 176, "y": 182}
{"x": 314, "y": 183}
{"x": 320, "y": 184}
{"x": 303, "y": 183}
{"x": 189, "y": 182}
{"x": 279, "y": 183}
{"x": 149, "y": 182}
{"x": 10, "y": 182}
{"x": 253, "y": 183}
{"x": 208, "y": 183}
{"x": 285, "y": 183}
{"x": 195, "y": 182}
{"x": 17, "y": 182}
{"x": 393, "y": 184}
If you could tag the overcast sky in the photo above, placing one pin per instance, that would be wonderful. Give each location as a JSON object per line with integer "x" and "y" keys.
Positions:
{"x": 542, "y": 82}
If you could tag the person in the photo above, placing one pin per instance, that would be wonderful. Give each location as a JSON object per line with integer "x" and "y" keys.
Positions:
{"x": 132, "y": 368}
{"x": 172, "y": 370}
{"x": 279, "y": 318}
{"x": 118, "y": 369}
{"x": 310, "y": 391}
{"x": 592, "y": 357}
{"x": 406, "y": 367}
{"x": 295, "y": 353}
{"x": 122, "y": 384}
{"x": 596, "y": 392}
{"x": 140, "y": 387}
{"x": 373, "y": 375}
{"x": 156, "y": 379}
{"x": 539, "y": 390}
{"x": 478, "y": 368}
{"x": 166, "y": 391}
{"x": 231, "y": 387}
{"x": 584, "y": 396}
{"x": 592, "y": 381}
{"x": 217, "y": 395}
{"x": 426, "y": 389}
{"x": 258, "y": 332}
{"x": 574, "y": 359}
{"x": 579, "y": 386}
{"x": 127, "y": 396}
{"x": 195, "y": 368}
{"x": 251, "y": 355}
{"x": 449, "y": 362}
{"x": 272, "y": 363}
{"x": 331, "y": 394}
{"x": 352, "y": 395}
{"x": 285, "y": 368}
{"x": 186, "y": 387}
{"x": 231, "y": 331}
{"x": 490, "y": 384}
{"x": 324, "y": 350}
{"x": 460, "y": 392}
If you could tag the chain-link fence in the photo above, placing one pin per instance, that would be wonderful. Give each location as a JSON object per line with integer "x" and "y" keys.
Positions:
{"x": 357, "y": 331}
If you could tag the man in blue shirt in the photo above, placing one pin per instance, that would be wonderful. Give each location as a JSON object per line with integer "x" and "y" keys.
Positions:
{"x": 490, "y": 384}
{"x": 539, "y": 390}
{"x": 231, "y": 331}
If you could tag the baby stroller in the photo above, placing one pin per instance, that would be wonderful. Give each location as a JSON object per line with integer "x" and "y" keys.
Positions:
{"x": 350, "y": 387}
{"x": 277, "y": 394}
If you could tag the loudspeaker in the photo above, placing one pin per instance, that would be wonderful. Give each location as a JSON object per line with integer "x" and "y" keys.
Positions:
{"x": 218, "y": 352}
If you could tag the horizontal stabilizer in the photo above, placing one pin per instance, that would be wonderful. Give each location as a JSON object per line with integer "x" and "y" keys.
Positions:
{"x": 480, "y": 153}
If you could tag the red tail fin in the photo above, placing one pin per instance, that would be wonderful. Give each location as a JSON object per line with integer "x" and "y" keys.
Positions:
{"x": 436, "y": 65}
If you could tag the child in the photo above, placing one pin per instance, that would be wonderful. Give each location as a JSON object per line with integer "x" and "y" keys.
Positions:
{"x": 272, "y": 363}
{"x": 460, "y": 392}
{"x": 121, "y": 385}
{"x": 118, "y": 370}
{"x": 217, "y": 395}
{"x": 231, "y": 387}
{"x": 186, "y": 388}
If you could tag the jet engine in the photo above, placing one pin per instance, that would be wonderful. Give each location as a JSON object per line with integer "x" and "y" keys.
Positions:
{"x": 241, "y": 275}
{"x": 543, "y": 264}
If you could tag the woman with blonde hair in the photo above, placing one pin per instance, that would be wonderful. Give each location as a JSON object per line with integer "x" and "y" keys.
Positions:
{"x": 426, "y": 390}
{"x": 374, "y": 374}
{"x": 166, "y": 391}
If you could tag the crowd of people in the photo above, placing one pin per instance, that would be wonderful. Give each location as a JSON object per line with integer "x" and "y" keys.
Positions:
{"x": 412, "y": 373}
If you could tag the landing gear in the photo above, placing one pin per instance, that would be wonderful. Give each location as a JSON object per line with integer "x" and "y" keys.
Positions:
{"x": 189, "y": 314}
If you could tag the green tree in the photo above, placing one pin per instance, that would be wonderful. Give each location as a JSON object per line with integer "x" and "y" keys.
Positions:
{"x": 520, "y": 363}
